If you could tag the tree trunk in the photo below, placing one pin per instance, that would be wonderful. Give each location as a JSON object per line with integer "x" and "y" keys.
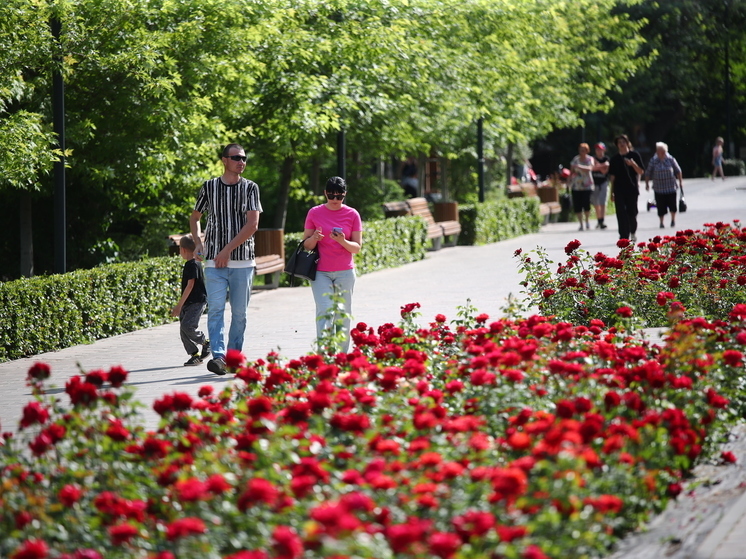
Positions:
{"x": 316, "y": 186}
{"x": 286, "y": 175}
{"x": 27, "y": 238}
{"x": 509, "y": 165}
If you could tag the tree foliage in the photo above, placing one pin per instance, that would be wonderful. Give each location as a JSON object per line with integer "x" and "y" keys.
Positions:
{"x": 155, "y": 87}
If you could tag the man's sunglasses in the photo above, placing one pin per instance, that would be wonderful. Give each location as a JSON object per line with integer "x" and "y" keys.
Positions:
{"x": 236, "y": 157}
{"x": 336, "y": 196}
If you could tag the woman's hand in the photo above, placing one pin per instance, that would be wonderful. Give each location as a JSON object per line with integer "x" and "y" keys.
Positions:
{"x": 312, "y": 238}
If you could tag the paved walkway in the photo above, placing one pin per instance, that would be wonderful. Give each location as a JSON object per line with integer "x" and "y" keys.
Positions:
{"x": 282, "y": 320}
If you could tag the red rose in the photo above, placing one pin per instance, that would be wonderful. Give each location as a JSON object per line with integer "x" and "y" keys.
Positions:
{"x": 184, "y": 527}
{"x": 287, "y": 543}
{"x": 31, "y": 549}
{"x": 39, "y": 371}
{"x": 624, "y": 312}
{"x": 234, "y": 359}
{"x": 572, "y": 246}
{"x": 69, "y": 495}
{"x": 728, "y": 457}
{"x": 122, "y": 533}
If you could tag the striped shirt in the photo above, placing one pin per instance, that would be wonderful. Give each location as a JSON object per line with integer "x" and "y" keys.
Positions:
{"x": 664, "y": 173}
{"x": 226, "y": 206}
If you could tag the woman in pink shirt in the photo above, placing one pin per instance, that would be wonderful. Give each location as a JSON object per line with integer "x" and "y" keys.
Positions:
{"x": 338, "y": 232}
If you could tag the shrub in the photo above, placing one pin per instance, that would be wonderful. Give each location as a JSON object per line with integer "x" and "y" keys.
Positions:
{"x": 491, "y": 222}
{"x": 48, "y": 313}
{"x": 514, "y": 438}
{"x": 734, "y": 167}
{"x": 693, "y": 273}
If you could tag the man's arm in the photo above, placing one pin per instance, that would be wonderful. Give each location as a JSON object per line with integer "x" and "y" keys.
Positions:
{"x": 252, "y": 224}
{"x": 195, "y": 230}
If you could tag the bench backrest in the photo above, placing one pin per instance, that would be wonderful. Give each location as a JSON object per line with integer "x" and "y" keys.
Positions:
{"x": 418, "y": 206}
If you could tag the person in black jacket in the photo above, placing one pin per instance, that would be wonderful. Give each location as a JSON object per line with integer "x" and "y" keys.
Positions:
{"x": 625, "y": 169}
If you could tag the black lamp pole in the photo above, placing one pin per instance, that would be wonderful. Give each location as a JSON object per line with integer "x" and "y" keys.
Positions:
{"x": 480, "y": 157}
{"x": 341, "y": 155}
{"x": 58, "y": 114}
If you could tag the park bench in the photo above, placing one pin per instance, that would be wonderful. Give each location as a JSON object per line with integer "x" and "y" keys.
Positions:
{"x": 269, "y": 249}
{"x": 549, "y": 204}
{"x": 447, "y": 227}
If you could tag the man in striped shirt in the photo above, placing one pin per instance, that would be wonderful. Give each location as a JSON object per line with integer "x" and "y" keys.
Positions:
{"x": 232, "y": 206}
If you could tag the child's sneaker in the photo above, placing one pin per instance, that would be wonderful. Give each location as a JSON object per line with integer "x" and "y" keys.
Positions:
{"x": 205, "y": 350}
{"x": 193, "y": 360}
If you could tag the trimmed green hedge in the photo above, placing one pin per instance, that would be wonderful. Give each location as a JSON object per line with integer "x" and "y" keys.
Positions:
{"x": 491, "y": 222}
{"x": 48, "y": 313}
{"x": 734, "y": 167}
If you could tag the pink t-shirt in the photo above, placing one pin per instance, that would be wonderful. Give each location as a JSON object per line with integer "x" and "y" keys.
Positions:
{"x": 333, "y": 257}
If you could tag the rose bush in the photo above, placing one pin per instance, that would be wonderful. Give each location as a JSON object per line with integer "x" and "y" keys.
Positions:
{"x": 531, "y": 437}
{"x": 693, "y": 273}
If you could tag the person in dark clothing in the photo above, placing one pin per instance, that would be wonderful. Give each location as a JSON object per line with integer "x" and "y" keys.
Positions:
{"x": 625, "y": 169}
{"x": 192, "y": 304}
{"x": 409, "y": 180}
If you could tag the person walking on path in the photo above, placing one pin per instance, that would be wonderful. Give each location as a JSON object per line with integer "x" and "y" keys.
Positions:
{"x": 232, "y": 205}
{"x": 337, "y": 230}
{"x": 582, "y": 184}
{"x": 625, "y": 169}
{"x": 409, "y": 177}
{"x": 717, "y": 158}
{"x": 600, "y": 184}
{"x": 192, "y": 304}
{"x": 665, "y": 172}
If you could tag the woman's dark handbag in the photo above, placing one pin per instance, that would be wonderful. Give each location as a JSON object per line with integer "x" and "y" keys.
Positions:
{"x": 682, "y": 202}
{"x": 302, "y": 263}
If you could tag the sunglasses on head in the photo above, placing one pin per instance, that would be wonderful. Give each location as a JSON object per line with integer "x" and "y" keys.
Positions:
{"x": 335, "y": 196}
{"x": 236, "y": 157}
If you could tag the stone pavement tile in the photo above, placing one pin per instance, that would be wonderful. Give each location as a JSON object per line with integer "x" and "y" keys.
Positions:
{"x": 728, "y": 539}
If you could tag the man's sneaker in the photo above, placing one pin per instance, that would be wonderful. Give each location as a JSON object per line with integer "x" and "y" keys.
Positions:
{"x": 633, "y": 238}
{"x": 217, "y": 366}
{"x": 193, "y": 360}
{"x": 205, "y": 350}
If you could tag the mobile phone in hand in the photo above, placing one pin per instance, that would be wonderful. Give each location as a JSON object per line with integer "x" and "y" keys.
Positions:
{"x": 336, "y": 230}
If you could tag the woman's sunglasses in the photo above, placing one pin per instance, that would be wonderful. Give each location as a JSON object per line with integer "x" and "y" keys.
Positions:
{"x": 335, "y": 196}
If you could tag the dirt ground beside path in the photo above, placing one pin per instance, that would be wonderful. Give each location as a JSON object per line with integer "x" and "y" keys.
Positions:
{"x": 683, "y": 527}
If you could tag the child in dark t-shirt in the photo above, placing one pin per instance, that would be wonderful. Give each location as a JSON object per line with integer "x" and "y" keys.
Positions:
{"x": 192, "y": 304}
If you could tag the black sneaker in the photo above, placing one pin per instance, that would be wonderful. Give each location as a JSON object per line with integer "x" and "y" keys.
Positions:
{"x": 217, "y": 366}
{"x": 205, "y": 350}
{"x": 193, "y": 360}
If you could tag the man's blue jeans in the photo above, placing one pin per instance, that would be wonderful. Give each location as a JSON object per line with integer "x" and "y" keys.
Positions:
{"x": 224, "y": 284}
{"x": 337, "y": 283}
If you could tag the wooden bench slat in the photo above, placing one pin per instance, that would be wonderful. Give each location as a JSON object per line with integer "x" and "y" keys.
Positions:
{"x": 436, "y": 230}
